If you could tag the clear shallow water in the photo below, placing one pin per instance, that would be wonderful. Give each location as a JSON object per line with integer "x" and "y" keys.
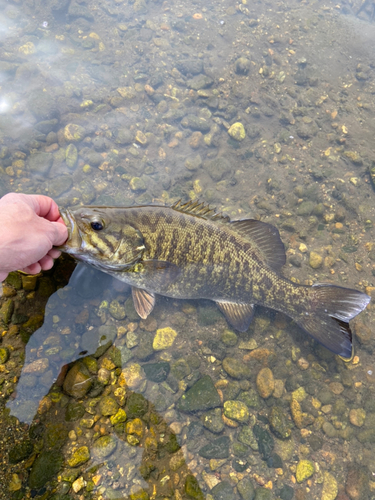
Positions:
{"x": 119, "y": 104}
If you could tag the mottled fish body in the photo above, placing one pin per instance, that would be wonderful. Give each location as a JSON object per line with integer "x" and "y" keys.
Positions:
{"x": 188, "y": 251}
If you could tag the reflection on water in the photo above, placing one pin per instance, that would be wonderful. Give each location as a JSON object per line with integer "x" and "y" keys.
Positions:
{"x": 265, "y": 110}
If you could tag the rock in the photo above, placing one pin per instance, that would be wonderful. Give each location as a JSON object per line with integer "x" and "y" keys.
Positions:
{"x": 265, "y": 441}
{"x": 222, "y": 491}
{"x": 242, "y": 66}
{"x": 4, "y": 355}
{"x": 80, "y": 456}
{"x": 56, "y": 435}
{"x": 330, "y": 488}
{"x": 44, "y": 468}
{"x": 235, "y": 369}
{"x": 357, "y": 486}
{"x": 78, "y": 381}
{"x": 218, "y": 448}
{"x": 59, "y": 185}
{"x": 237, "y": 131}
{"x": 200, "y": 82}
{"x": 329, "y": 430}
{"x": 164, "y": 338}
{"x": 212, "y": 420}
{"x": 119, "y": 417}
{"x": 131, "y": 376}
{"x": 192, "y": 488}
{"x": 246, "y": 436}
{"x": 300, "y": 419}
{"x": 40, "y": 162}
{"x": 108, "y": 406}
{"x": 180, "y": 369}
{"x": 305, "y": 469}
{"x": 236, "y": 410}
{"x": 357, "y": 417}
{"x": 229, "y": 338}
{"x": 263, "y": 494}
{"x": 137, "y": 184}
{"x": 135, "y": 426}
{"x": 104, "y": 446}
{"x": 71, "y": 156}
{"x": 193, "y": 163}
{"x": 336, "y": 387}
{"x": 20, "y": 451}
{"x": 136, "y": 405}
{"x": 286, "y": 492}
{"x": 315, "y": 260}
{"x": 74, "y": 411}
{"x": 157, "y": 372}
{"x": 265, "y": 383}
{"x": 279, "y": 424}
{"x": 74, "y": 133}
{"x": 124, "y": 136}
{"x": 201, "y": 396}
{"x": 37, "y": 367}
{"x": 116, "y": 310}
{"x": 246, "y": 489}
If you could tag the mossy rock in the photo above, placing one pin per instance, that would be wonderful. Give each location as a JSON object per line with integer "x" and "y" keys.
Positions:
{"x": 45, "y": 467}
{"x": 20, "y": 451}
{"x": 56, "y": 435}
{"x": 136, "y": 406}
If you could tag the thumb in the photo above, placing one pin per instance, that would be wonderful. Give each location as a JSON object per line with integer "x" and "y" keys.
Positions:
{"x": 61, "y": 234}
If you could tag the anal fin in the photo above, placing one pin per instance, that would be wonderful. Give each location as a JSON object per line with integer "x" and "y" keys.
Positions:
{"x": 143, "y": 302}
{"x": 238, "y": 315}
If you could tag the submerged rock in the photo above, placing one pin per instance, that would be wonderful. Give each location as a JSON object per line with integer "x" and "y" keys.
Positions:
{"x": 201, "y": 396}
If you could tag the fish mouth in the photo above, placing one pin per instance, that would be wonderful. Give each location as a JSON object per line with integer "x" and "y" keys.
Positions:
{"x": 74, "y": 242}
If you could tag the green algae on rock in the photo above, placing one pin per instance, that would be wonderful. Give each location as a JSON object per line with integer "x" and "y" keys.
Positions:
{"x": 201, "y": 396}
{"x": 305, "y": 469}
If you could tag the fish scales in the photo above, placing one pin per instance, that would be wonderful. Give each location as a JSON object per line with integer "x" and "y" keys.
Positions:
{"x": 190, "y": 251}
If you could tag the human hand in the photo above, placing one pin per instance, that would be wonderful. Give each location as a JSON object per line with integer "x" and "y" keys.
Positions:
{"x": 30, "y": 227}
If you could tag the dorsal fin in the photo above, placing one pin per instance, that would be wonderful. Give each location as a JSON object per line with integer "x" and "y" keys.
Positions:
{"x": 199, "y": 209}
{"x": 266, "y": 237}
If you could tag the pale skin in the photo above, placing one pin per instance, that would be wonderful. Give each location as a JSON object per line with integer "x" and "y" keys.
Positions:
{"x": 30, "y": 227}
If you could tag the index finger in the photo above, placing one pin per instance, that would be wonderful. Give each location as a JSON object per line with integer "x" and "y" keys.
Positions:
{"x": 46, "y": 207}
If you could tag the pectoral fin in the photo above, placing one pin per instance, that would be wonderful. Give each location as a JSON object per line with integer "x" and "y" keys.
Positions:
{"x": 143, "y": 302}
{"x": 153, "y": 274}
{"x": 238, "y": 315}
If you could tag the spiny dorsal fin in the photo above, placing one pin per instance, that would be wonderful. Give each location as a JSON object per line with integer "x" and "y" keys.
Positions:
{"x": 199, "y": 209}
{"x": 267, "y": 239}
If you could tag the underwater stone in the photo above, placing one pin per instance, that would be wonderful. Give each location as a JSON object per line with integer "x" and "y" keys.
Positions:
{"x": 201, "y": 396}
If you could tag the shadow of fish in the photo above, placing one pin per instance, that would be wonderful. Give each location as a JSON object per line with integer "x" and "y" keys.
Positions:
{"x": 188, "y": 251}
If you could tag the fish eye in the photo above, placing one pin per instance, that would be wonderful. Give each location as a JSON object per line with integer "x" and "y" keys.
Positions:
{"x": 97, "y": 226}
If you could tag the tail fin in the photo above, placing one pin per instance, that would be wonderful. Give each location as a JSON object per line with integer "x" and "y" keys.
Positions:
{"x": 327, "y": 319}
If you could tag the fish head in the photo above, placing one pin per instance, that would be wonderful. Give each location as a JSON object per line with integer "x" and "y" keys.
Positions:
{"x": 101, "y": 238}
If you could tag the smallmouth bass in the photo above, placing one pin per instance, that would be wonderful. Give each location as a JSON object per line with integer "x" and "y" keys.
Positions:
{"x": 188, "y": 251}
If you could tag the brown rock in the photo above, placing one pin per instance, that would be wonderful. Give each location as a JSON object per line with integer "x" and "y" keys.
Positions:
{"x": 265, "y": 383}
{"x": 37, "y": 367}
{"x": 78, "y": 381}
{"x": 195, "y": 139}
{"x": 336, "y": 387}
{"x": 357, "y": 482}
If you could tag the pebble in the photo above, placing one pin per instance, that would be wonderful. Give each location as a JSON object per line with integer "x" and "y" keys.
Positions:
{"x": 235, "y": 369}
{"x": 356, "y": 485}
{"x": 299, "y": 394}
{"x": 37, "y": 367}
{"x": 305, "y": 469}
{"x": 108, "y": 406}
{"x": 4, "y": 355}
{"x": 79, "y": 457}
{"x": 212, "y": 420}
{"x": 330, "y": 487}
{"x": 78, "y": 484}
{"x": 265, "y": 383}
{"x": 132, "y": 376}
{"x": 336, "y": 387}
{"x": 201, "y": 396}
{"x": 164, "y": 338}
{"x": 236, "y": 410}
{"x": 237, "y": 131}
{"x": 357, "y": 417}
{"x": 77, "y": 381}
{"x": 279, "y": 424}
{"x": 218, "y": 448}
{"x": 316, "y": 260}
{"x": 104, "y": 446}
